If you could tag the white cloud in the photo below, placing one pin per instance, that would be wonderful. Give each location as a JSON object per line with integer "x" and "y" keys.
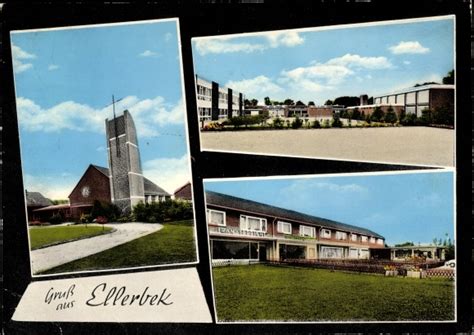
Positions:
{"x": 168, "y": 173}
{"x": 406, "y": 62}
{"x": 54, "y": 188}
{"x": 18, "y": 57}
{"x": 53, "y": 67}
{"x": 258, "y": 87}
{"x": 148, "y": 114}
{"x": 148, "y": 53}
{"x": 408, "y": 47}
{"x": 287, "y": 39}
{"x": 357, "y": 61}
{"x": 308, "y": 185}
{"x": 19, "y": 53}
{"x": 222, "y": 45}
{"x": 331, "y": 73}
{"x": 225, "y": 44}
{"x": 168, "y": 37}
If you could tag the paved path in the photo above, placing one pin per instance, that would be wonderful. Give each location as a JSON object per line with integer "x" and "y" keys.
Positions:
{"x": 402, "y": 145}
{"x": 47, "y": 258}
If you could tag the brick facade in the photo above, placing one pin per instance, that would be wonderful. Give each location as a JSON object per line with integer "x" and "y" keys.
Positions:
{"x": 93, "y": 185}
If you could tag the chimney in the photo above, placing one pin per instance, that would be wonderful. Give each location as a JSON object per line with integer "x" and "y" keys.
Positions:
{"x": 363, "y": 99}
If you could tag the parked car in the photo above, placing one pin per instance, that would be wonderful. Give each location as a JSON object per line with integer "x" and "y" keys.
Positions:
{"x": 451, "y": 263}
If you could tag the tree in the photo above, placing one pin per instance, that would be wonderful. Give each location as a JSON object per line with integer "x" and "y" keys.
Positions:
{"x": 299, "y": 103}
{"x": 247, "y": 103}
{"x": 402, "y": 115}
{"x": 310, "y": 103}
{"x": 355, "y": 114}
{"x": 347, "y": 101}
{"x": 336, "y": 122}
{"x": 328, "y": 102}
{"x": 390, "y": 116}
{"x": 377, "y": 115}
{"x": 297, "y": 123}
{"x": 425, "y": 118}
{"x": 288, "y": 102}
{"x": 405, "y": 244}
{"x": 442, "y": 115}
{"x": 267, "y": 101}
{"x": 370, "y": 100}
{"x": 449, "y": 79}
{"x": 254, "y": 102}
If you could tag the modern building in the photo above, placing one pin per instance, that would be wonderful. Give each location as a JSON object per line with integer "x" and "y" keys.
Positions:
{"x": 416, "y": 99}
{"x": 249, "y": 230}
{"x": 325, "y": 111}
{"x": 215, "y": 102}
{"x": 369, "y": 109}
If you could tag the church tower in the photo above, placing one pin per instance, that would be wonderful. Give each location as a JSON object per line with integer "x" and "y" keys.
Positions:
{"x": 126, "y": 178}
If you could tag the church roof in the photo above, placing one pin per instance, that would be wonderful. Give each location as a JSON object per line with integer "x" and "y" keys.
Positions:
{"x": 36, "y": 199}
{"x": 150, "y": 187}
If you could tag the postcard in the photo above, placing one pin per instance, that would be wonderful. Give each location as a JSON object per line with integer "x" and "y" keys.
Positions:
{"x": 105, "y": 155}
{"x": 372, "y": 92}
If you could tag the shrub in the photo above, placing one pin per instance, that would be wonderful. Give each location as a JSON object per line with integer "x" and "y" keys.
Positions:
{"x": 85, "y": 218}
{"x": 390, "y": 116}
{"x": 56, "y": 218}
{"x": 277, "y": 123}
{"x": 169, "y": 210}
{"x": 356, "y": 115}
{"x": 326, "y": 123}
{"x": 105, "y": 209}
{"x": 336, "y": 122}
{"x": 441, "y": 115}
{"x": 213, "y": 126}
{"x": 409, "y": 119}
{"x": 297, "y": 123}
{"x": 425, "y": 118}
{"x": 316, "y": 124}
{"x": 377, "y": 115}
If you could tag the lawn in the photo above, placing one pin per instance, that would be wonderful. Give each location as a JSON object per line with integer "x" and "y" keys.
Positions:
{"x": 174, "y": 243}
{"x": 44, "y": 236}
{"x": 261, "y": 292}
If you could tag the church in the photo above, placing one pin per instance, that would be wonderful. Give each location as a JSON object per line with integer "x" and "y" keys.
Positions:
{"x": 122, "y": 183}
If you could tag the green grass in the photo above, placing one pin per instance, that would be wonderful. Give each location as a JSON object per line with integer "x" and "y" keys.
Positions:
{"x": 174, "y": 243}
{"x": 44, "y": 236}
{"x": 262, "y": 292}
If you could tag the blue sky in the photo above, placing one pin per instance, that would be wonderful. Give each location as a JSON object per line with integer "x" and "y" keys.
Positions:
{"x": 65, "y": 78}
{"x": 402, "y": 207}
{"x": 317, "y": 65}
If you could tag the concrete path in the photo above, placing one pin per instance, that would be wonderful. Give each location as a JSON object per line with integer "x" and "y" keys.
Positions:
{"x": 47, "y": 258}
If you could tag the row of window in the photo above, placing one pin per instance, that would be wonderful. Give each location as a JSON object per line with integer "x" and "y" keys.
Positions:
{"x": 409, "y": 98}
{"x": 218, "y": 218}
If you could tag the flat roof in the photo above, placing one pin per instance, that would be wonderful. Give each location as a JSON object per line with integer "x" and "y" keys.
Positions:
{"x": 417, "y": 88}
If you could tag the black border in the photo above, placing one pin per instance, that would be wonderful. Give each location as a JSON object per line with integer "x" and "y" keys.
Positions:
{"x": 203, "y": 19}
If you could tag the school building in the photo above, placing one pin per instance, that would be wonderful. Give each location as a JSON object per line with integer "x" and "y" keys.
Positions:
{"x": 248, "y": 230}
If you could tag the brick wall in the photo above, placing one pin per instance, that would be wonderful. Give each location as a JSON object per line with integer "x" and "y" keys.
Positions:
{"x": 442, "y": 98}
{"x": 320, "y": 111}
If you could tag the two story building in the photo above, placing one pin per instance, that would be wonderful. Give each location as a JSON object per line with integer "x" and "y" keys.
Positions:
{"x": 248, "y": 230}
